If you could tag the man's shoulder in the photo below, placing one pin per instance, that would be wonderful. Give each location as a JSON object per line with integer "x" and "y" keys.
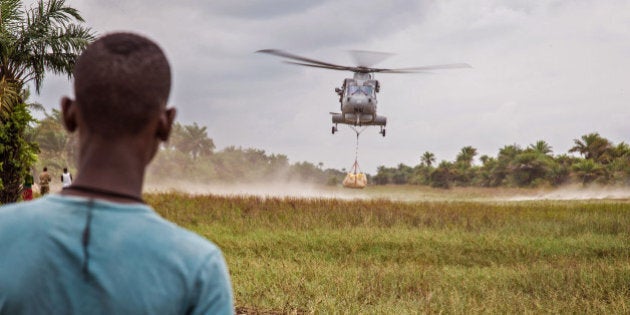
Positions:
{"x": 182, "y": 240}
{"x": 21, "y": 208}
{"x": 24, "y": 217}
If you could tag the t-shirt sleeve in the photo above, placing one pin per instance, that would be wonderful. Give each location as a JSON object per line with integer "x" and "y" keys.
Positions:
{"x": 213, "y": 288}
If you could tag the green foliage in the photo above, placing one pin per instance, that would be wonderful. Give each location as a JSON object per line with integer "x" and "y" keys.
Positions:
{"x": 192, "y": 140}
{"x": 44, "y": 38}
{"x": 593, "y": 147}
{"x": 190, "y": 156}
{"x": 541, "y": 147}
{"x": 587, "y": 170}
{"x": 530, "y": 166}
{"x": 466, "y": 156}
{"x": 427, "y": 159}
{"x": 442, "y": 176}
{"x": 16, "y": 153}
{"x": 560, "y": 170}
{"x": 58, "y": 148}
{"x": 602, "y": 163}
{"x": 177, "y": 161}
{"x": 383, "y": 176}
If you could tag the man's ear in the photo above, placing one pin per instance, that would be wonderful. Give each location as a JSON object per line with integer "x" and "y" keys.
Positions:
{"x": 165, "y": 123}
{"x": 69, "y": 114}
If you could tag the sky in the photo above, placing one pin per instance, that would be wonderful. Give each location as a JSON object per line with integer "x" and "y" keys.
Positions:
{"x": 542, "y": 70}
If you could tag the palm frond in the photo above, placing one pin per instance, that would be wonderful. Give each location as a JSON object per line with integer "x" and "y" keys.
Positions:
{"x": 45, "y": 37}
{"x": 36, "y": 107}
{"x": 9, "y": 96}
{"x": 11, "y": 14}
{"x": 51, "y": 40}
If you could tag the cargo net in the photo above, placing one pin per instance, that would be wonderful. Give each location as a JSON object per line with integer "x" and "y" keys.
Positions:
{"x": 355, "y": 177}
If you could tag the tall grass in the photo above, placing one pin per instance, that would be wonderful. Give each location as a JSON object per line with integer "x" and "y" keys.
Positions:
{"x": 376, "y": 256}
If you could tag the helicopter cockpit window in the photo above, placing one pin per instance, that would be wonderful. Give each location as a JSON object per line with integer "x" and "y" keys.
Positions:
{"x": 365, "y": 89}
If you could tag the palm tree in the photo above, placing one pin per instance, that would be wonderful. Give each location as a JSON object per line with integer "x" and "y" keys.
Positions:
{"x": 427, "y": 158}
{"x": 193, "y": 140}
{"x": 466, "y": 155}
{"x": 508, "y": 152}
{"x": 442, "y": 176}
{"x": 44, "y": 38}
{"x": 541, "y": 146}
{"x": 530, "y": 168}
{"x": 621, "y": 150}
{"x": 485, "y": 159}
{"x": 593, "y": 146}
{"x": 57, "y": 147}
{"x": 500, "y": 169}
{"x": 587, "y": 170}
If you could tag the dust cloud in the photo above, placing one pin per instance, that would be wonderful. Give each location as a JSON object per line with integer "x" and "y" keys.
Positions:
{"x": 265, "y": 190}
{"x": 283, "y": 189}
{"x": 577, "y": 192}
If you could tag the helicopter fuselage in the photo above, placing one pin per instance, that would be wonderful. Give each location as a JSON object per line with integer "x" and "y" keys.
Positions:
{"x": 358, "y": 102}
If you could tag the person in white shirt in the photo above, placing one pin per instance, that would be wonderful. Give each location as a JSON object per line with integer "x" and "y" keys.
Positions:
{"x": 66, "y": 178}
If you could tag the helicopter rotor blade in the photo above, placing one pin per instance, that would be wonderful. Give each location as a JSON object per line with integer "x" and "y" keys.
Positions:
{"x": 421, "y": 69}
{"x": 363, "y": 58}
{"x": 342, "y": 68}
{"x": 356, "y": 69}
{"x": 285, "y": 54}
{"x": 401, "y": 71}
{"x": 366, "y": 59}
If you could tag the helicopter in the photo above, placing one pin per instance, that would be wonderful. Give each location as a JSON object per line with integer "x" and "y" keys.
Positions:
{"x": 357, "y": 95}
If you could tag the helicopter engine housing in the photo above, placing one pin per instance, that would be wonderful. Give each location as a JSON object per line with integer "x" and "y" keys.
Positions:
{"x": 359, "y": 119}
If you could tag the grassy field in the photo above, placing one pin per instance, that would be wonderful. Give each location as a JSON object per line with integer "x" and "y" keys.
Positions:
{"x": 376, "y": 256}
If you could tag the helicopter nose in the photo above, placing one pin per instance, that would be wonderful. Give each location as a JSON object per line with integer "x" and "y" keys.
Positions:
{"x": 360, "y": 104}
{"x": 359, "y": 100}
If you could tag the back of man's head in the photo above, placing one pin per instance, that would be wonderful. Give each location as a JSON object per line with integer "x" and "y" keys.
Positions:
{"x": 122, "y": 81}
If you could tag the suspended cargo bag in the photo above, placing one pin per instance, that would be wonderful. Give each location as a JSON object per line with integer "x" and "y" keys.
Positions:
{"x": 355, "y": 179}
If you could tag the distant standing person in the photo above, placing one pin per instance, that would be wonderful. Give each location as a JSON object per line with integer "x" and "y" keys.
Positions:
{"x": 27, "y": 188}
{"x": 44, "y": 182}
{"x": 66, "y": 178}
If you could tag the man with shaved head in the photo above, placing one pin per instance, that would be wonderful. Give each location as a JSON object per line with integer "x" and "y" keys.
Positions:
{"x": 97, "y": 248}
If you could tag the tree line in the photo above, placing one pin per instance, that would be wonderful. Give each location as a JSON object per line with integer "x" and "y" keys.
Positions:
{"x": 189, "y": 155}
{"x": 598, "y": 160}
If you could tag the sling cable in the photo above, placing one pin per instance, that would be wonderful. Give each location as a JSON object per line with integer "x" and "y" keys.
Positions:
{"x": 355, "y": 177}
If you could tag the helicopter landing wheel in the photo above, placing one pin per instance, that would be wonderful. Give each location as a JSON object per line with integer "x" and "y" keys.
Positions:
{"x": 383, "y": 132}
{"x": 334, "y": 129}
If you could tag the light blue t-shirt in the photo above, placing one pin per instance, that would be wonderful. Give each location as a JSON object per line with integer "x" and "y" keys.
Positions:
{"x": 72, "y": 255}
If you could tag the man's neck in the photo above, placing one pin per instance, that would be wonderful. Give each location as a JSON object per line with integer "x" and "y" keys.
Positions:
{"x": 115, "y": 168}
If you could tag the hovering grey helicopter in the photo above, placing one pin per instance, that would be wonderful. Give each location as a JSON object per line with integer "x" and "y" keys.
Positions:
{"x": 357, "y": 95}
